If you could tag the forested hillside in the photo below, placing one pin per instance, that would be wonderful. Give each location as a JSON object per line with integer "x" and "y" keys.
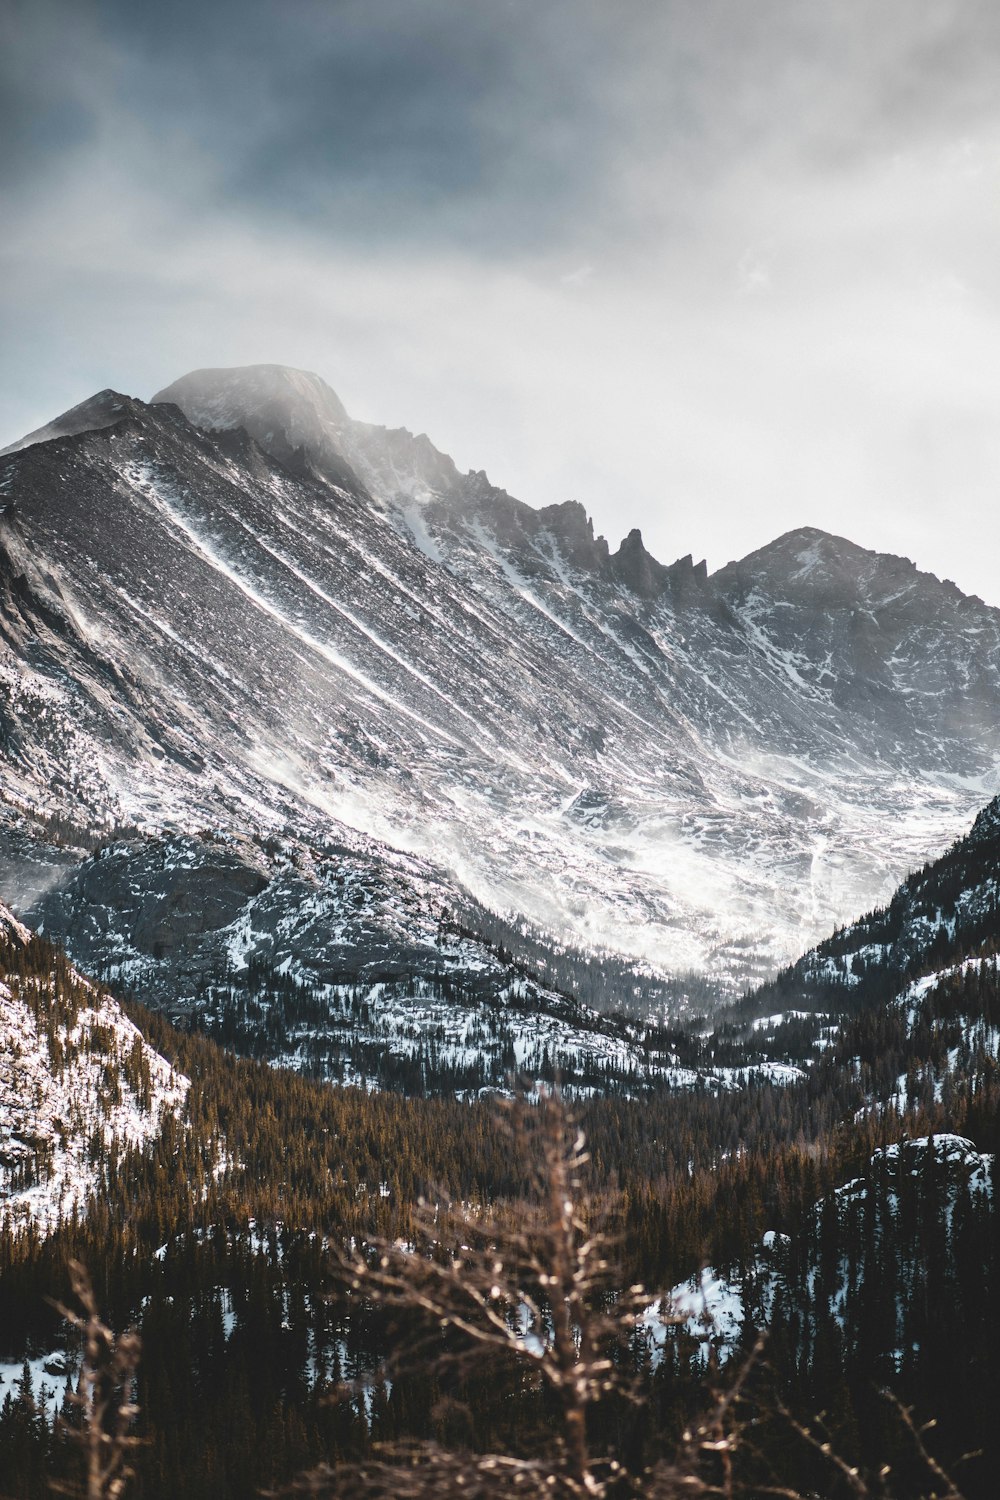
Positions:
{"x": 211, "y": 1239}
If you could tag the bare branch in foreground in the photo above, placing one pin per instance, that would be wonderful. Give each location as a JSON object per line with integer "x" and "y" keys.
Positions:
{"x": 103, "y": 1398}
{"x": 534, "y": 1286}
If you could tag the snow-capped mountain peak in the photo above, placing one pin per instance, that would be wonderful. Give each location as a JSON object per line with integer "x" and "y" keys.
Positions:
{"x": 101, "y": 410}
{"x": 239, "y": 610}
{"x": 291, "y": 412}
{"x": 815, "y": 566}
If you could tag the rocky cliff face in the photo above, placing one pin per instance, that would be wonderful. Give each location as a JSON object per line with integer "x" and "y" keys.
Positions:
{"x": 238, "y": 612}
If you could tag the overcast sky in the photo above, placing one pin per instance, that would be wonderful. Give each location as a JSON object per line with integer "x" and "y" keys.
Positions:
{"x": 715, "y": 268}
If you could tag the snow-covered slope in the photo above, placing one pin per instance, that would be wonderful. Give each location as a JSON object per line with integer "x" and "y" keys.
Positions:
{"x": 298, "y": 629}
{"x": 885, "y": 1264}
{"x": 78, "y": 1085}
{"x": 941, "y": 918}
{"x": 897, "y": 1013}
{"x": 345, "y": 963}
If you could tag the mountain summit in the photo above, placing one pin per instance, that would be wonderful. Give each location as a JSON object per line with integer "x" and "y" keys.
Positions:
{"x": 812, "y": 565}
{"x": 295, "y": 413}
{"x": 237, "y": 610}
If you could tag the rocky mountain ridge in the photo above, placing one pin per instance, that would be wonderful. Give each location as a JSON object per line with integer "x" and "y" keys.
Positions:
{"x": 255, "y": 619}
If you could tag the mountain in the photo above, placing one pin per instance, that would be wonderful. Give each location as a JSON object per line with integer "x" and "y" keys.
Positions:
{"x": 285, "y": 700}
{"x": 883, "y": 1293}
{"x": 944, "y": 918}
{"x": 905, "y": 1000}
{"x": 79, "y": 1086}
{"x": 865, "y": 1245}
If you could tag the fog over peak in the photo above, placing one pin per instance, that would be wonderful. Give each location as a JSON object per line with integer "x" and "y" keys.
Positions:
{"x": 716, "y": 271}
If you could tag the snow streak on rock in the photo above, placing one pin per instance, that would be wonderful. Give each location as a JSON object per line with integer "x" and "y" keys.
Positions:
{"x": 240, "y": 611}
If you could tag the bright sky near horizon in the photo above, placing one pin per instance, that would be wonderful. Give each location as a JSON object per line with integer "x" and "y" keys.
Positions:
{"x": 716, "y": 270}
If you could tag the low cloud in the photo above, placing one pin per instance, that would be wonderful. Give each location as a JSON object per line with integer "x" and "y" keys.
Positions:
{"x": 796, "y": 318}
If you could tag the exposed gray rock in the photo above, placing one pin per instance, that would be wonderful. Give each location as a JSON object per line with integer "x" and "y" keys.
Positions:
{"x": 240, "y": 610}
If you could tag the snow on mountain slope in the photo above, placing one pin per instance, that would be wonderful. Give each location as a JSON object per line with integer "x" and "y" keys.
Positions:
{"x": 937, "y": 922}
{"x": 295, "y": 626}
{"x": 78, "y": 1085}
{"x": 882, "y": 1248}
{"x": 904, "y": 1001}
{"x": 343, "y": 962}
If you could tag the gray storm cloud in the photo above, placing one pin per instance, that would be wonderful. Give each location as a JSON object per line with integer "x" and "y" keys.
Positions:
{"x": 716, "y": 270}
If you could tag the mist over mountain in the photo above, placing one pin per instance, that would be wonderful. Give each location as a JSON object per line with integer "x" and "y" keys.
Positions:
{"x": 236, "y": 609}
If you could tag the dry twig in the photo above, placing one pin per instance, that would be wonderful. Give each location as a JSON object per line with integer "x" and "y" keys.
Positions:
{"x": 103, "y": 1398}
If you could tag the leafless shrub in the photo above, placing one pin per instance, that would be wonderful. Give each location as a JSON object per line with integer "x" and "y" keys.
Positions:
{"x": 103, "y": 1399}
{"x": 532, "y": 1287}
{"x": 712, "y": 1460}
{"x": 536, "y": 1287}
